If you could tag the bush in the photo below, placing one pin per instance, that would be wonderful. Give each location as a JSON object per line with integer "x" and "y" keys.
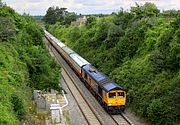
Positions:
{"x": 157, "y": 108}
{"x": 18, "y": 106}
{"x": 23, "y": 61}
{"x": 140, "y": 49}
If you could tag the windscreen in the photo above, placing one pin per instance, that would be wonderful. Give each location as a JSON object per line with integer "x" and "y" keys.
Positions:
{"x": 112, "y": 95}
{"x": 120, "y": 94}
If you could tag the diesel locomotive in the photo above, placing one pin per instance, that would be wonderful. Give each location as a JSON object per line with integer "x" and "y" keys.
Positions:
{"x": 110, "y": 95}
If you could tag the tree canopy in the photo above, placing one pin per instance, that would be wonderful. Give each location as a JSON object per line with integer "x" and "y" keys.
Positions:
{"x": 25, "y": 65}
{"x": 139, "y": 48}
{"x": 56, "y": 14}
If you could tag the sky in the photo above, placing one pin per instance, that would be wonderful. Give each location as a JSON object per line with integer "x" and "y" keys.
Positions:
{"x": 39, "y": 7}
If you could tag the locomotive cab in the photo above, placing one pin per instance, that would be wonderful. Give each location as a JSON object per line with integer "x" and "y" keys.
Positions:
{"x": 114, "y": 98}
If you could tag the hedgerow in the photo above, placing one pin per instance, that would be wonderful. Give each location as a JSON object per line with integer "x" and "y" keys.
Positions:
{"x": 25, "y": 65}
{"x": 140, "y": 51}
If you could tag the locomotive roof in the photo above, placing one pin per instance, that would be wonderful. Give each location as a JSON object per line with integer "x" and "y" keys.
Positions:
{"x": 96, "y": 75}
{"x": 78, "y": 59}
{"x": 111, "y": 86}
{"x": 104, "y": 81}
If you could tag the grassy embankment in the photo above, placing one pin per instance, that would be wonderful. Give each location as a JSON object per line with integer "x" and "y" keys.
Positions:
{"x": 140, "y": 50}
{"x": 24, "y": 65}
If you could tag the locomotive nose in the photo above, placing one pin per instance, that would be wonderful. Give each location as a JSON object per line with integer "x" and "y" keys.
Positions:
{"x": 116, "y": 101}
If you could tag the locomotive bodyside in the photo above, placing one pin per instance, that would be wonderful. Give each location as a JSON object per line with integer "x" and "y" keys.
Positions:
{"x": 112, "y": 96}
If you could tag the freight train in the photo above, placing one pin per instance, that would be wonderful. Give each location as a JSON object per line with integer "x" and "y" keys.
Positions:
{"x": 110, "y": 95}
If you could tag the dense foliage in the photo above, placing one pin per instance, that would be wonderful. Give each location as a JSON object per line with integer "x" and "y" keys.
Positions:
{"x": 140, "y": 50}
{"x": 56, "y": 14}
{"x": 24, "y": 65}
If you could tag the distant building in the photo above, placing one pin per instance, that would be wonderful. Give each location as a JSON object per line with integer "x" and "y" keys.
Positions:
{"x": 79, "y": 21}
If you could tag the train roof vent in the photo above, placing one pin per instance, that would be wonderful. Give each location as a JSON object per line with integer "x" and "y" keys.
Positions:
{"x": 92, "y": 69}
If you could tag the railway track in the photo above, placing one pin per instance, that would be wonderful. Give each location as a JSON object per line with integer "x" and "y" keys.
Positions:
{"x": 121, "y": 119}
{"x": 85, "y": 108}
{"x": 86, "y": 104}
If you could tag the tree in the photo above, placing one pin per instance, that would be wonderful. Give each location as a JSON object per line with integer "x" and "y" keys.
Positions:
{"x": 70, "y": 16}
{"x": 90, "y": 20}
{"x": 56, "y": 14}
{"x": 50, "y": 16}
{"x": 147, "y": 10}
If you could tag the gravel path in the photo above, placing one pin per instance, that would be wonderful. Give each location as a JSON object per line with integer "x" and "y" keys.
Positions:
{"x": 75, "y": 114}
{"x": 134, "y": 119}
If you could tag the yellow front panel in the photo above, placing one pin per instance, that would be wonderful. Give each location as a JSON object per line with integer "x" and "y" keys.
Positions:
{"x": 116, "y": 101}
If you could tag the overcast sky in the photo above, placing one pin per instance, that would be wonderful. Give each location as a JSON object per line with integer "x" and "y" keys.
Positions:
{"x": 39, "y": 7}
